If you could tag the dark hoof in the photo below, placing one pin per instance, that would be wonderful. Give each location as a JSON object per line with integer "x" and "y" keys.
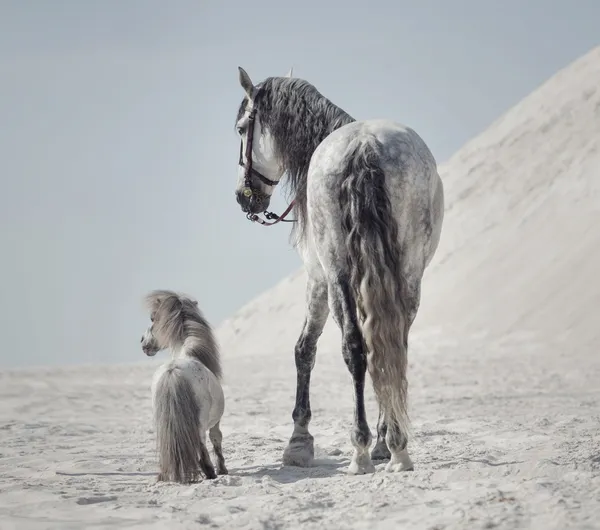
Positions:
{"x": 380, "y": 451}
{"x": 208, "y": 470}
{"x": 300, "y": 451}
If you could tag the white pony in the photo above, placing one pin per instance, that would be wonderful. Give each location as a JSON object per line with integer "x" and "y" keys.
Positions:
{"x": 369, "y": 205}
{"x": 187, "y": 397}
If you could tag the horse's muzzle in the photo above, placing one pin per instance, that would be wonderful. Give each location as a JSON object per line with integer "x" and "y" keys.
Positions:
{"x": 252, "y": 204}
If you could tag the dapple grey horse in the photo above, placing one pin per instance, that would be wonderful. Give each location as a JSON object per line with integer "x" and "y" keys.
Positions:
{"x": 369, "y": 206}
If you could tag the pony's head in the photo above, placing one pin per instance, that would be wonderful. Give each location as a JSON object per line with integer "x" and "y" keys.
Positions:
{"x": 149, "y": 343}
{"x": 260, "y": 167}
{"x": 167, "y": 318}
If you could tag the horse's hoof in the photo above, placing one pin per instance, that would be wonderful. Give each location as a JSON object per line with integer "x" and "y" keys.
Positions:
{"x": 300, "y": 452}
{"x": 381, "y": 452}
{"x": 398, "y": 468}
{"x": 355, "y": 469}
{"x": 222, "y": 470}
{"x": 400, "y": 462}
{"x": 299, "y": 456}
{"x": 361, "y": 465}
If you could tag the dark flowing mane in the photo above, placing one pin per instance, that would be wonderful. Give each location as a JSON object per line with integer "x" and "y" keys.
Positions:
{"x": 299, "y": 118}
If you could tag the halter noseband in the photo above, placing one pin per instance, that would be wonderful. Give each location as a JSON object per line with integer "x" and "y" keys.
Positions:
{"x": 249, "y": 171}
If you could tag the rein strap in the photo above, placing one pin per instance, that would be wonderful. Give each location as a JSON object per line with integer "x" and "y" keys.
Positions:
{"x": 270, "y": 215}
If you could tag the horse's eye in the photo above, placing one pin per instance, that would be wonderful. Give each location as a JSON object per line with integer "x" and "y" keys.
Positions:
{"x": 241, "y": 130}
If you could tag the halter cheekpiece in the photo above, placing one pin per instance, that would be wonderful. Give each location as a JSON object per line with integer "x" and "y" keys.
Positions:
{"x": 249, "y": 171}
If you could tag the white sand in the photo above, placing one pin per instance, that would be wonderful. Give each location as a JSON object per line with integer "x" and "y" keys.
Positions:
{"x": 504, "y": 374}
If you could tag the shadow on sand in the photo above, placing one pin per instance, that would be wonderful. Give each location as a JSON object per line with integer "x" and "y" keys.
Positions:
{"x": 321, "y": 468}
{"x": 107, "y": 473}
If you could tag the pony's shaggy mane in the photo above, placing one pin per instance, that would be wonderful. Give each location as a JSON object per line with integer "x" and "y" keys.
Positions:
{"x": 178, "y": 322}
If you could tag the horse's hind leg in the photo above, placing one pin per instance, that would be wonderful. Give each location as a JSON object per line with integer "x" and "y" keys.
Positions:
{"x": 344, "y": 312}
{"x": 205, "y": 463}
{"x": 381, "y": 451}
{"x": 216, "y": 438}
{"x": 396, "y": 440}
{"x": 300, "y": 450}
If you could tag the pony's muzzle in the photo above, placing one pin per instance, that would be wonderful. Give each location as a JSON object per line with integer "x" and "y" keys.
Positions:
{"x": 148, "y": 351}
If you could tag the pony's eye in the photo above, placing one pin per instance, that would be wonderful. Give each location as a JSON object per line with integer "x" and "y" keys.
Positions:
{"x": 241, "y": 130}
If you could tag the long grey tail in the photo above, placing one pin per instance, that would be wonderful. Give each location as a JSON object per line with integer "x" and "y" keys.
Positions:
{"x": 177, "y": 420}
{"x": 376, "y": 278}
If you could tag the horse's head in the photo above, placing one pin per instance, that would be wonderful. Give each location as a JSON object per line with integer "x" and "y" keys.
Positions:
{"x": 259, "y": 168}
{"x": 150, "y": 345}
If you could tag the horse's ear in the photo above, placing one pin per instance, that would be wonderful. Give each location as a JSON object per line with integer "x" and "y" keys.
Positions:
{"x": 290, "y": 72}
{"x": 246, "y": 82}
{"x": 195, "y": 302}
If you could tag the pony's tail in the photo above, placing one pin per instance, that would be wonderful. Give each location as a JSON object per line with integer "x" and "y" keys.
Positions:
{"x": 376, "y": 278}
{"x": 177, "y": 419}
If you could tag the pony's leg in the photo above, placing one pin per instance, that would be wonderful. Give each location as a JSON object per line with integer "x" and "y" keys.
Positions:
{"x": 216, "y": 438}
{"x": 205, "y": 463}
{"x": 300, "y": 449}
{"x": 344, "y": 312}
{"x": 397, "y": 440}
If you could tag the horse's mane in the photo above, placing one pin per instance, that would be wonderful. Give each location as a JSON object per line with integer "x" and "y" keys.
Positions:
{"x": 299, "y": 118}
{"x": 179, "y": 322}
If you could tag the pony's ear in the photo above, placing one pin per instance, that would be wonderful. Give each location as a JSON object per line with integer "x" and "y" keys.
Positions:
{"x": 195, "y": 302}
{"x": 246, "y": 82}
{"x": 290, "y": 72}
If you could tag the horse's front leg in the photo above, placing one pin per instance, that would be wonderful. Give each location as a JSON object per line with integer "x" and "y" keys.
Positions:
{"x": 300, "y": 450}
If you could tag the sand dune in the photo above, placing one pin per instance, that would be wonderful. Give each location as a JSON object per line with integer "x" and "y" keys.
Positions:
{"x": 520, "y": 241}
{"x": 504, "y": 374}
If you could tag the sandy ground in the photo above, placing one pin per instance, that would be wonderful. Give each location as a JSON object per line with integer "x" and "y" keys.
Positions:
{"x": 506, "y": 436}
{"x": 504, "y": 374}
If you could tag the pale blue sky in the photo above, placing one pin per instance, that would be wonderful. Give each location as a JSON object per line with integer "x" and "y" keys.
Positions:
{"x": 118, "y": 155}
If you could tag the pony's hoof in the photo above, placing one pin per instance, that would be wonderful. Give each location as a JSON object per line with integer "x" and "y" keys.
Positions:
{"x": 361, "y": 465}
{"x": 300, "y": 452}
{"x": 222, "y": 470}
{"x": 381, "y": 451}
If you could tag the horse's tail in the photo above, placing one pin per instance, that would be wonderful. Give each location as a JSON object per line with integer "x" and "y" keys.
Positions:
{"x": 177, "y": 419}
{"x": 376, "y": 277}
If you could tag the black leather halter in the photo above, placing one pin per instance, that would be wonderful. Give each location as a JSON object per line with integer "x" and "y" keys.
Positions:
{"x": 249, "y": 190}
